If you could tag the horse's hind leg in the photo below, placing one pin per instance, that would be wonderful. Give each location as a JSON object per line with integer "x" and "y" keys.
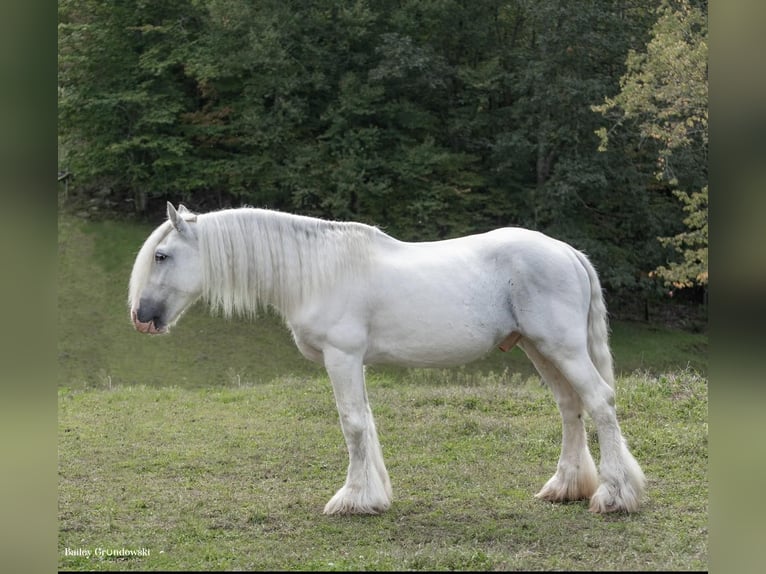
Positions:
{"x": 576, "y": 477}
{"x": 622, "y": 481}
{"x": 367, "y": 489}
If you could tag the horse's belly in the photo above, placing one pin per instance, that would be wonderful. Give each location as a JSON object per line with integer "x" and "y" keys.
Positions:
{"x": 420, "y": 340}
{"x": 417, "y": 356}
{"x": 433, "y": 315}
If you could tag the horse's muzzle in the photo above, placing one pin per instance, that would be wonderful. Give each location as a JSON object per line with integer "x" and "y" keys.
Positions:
{"x": 148, "y": 327}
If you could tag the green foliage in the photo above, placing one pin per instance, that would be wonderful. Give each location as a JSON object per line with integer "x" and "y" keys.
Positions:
{"x": 665, "y": 93}
{"x": 692, "y": 245}
{"x": 665, "y": 88}
{"x": 428, "y": 119}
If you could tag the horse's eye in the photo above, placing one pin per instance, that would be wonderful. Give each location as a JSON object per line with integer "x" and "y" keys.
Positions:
{"x": 159, "y": 257}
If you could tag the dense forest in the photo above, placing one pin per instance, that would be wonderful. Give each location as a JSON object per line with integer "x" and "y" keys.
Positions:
{"x": 585, "y": 119}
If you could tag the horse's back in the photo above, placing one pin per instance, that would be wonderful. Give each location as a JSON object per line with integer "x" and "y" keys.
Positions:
{"x": 447, "y": 302}
{"x": 508, "y": 253}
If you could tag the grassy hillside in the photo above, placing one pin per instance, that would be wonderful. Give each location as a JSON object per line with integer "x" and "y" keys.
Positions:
{"x": 98, "y": 346}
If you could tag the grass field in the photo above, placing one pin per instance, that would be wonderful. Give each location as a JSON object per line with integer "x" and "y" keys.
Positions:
{"x": 236, "y": 478}
{"x": 217, "y": 447}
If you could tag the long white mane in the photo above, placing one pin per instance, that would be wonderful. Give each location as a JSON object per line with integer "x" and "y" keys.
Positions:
{"x": 256, "y": 257}
{"x": 252, "y": 258}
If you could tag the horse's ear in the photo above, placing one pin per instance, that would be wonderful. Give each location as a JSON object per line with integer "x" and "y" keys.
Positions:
{"x": 178, "y": 222}
{"x": 187, "y": 214}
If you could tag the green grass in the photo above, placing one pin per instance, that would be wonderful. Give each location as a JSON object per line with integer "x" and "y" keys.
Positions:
{"x": 217, "y": 447}
{"x": 236, "y": 478}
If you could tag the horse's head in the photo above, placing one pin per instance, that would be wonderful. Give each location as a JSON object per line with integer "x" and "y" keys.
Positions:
{"x": 167, "y": 274}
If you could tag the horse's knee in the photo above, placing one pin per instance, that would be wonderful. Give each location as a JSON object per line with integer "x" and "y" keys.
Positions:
{"x": 354, "y": 425}
{"x": 601, "y": 404}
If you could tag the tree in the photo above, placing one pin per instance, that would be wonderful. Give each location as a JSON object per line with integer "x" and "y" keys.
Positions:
{"x": 429, "y": 119}
{"x": 665, "y": 93}
{"x": 692, "y": 245}
{"x": 122, "y": 89}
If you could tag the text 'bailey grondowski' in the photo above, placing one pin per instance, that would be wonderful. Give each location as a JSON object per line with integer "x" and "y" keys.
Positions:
{"x": 107, "y": 552}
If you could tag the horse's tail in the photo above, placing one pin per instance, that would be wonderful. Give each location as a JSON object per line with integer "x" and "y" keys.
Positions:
{"x": 598, "y": 325}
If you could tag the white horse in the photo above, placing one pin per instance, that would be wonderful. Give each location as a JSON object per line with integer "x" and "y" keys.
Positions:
{"x": 353, "y": 295}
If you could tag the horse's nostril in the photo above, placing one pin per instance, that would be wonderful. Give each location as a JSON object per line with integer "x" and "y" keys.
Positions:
{"x": 145, "y": 317}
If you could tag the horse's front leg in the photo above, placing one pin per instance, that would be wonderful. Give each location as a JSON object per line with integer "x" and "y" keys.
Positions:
{"x": 367, "y": 489}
